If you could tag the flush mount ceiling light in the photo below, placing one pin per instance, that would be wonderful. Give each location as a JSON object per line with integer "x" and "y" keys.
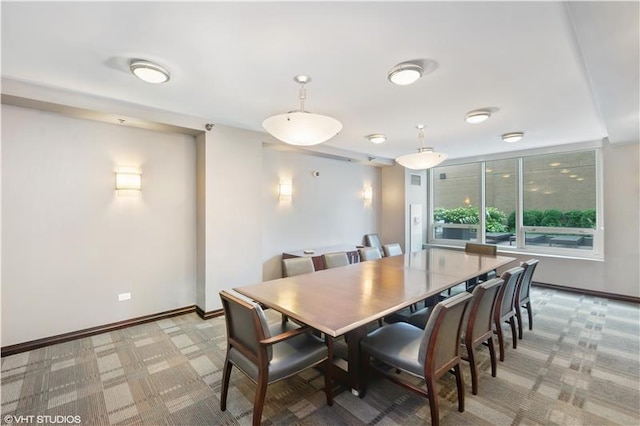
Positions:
{"x": 424, "y": 159}
{"x": 302, "y": 127}
{"x": 477, "y": 116}
{"x": 149, "y": 72}
{"x": 376, "y": 138}
{"x": 512, "y": 136}
{"x": 405, "y": 73}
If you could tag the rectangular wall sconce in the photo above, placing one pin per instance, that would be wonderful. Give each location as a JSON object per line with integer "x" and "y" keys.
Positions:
{"x": 128, "y": 181}
{"x": 367, "y": 195}
{"x": 285, "y": 190}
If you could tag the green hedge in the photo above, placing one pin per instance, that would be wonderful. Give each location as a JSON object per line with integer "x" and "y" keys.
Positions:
{"x": 495, "y": 221}
{"x": 556, "y": 218}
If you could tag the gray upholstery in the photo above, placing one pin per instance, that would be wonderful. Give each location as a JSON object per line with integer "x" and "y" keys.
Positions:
{"x": 335, "y": 260}
{"x": 289, "y": 351}
{"x": 420, "y": 317}
{"x": 373, "y": 240}
{"x": 428, "y": 353}
{"x": 392, "y": 249}
{"x": 297, "y": 266}
{"x": 523, "y": 294}
{"x": 505, "y": 306}
{"x": 405, "y": 346}
{"x": 369, "y": 253}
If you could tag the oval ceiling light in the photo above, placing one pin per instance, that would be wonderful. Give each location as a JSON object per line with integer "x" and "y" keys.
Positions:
{"x": 425, "y": 158}
{"x": 405, "y": 73}
{"x": 512, "y": 136}
{"x": 477, "y": 116}
{"x": 149, "y": 72}
{"x": 301, "y": 127}
{"x": 376, "y": 138}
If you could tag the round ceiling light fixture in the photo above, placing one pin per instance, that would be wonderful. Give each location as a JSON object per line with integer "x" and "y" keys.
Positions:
{"x": 512, "y": 136}
{"x": 149, "y": 72}
{"x": 405, "y": 73}
{"x": 376, "y": 138}
{"x": 477, "y": 116}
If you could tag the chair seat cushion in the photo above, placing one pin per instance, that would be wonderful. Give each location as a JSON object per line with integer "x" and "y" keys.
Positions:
{"x": 396, "y": 344}
{"x": 289, "y": 356}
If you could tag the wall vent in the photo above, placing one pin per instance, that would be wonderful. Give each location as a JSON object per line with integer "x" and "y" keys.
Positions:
{"x": 416, "y": 180}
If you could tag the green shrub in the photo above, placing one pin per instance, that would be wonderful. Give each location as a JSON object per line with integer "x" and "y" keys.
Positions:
{"x": 497, "y": 221}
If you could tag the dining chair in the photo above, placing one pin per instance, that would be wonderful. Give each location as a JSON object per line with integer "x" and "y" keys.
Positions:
{"x": 296, "y": 266}
{"x": 335, "y": 260}
{"x": 488, "y": 249}
{"x": 268, "y": 353}
{"x": 427, "y": 354}
{"x": 392, "y": 249}
{"x": 369, "y": 253}
{"x": 478, "y": 326}
{"x": 505, "y": 307}
{"x": 523, "y": 294}
{"x": 373, "y": 240}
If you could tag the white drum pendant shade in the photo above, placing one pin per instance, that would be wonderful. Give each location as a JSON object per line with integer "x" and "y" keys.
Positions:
{"x": 302, "y": 128}
{"x": 421, "y": 160}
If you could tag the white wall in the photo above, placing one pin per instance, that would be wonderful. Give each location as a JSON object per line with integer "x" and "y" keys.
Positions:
{"x": 325, "y": 210}
{"x": 71, "y": 245}
{"x": 619, "y": 273}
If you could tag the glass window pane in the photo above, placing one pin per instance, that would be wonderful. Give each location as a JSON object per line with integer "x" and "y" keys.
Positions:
{"x": 456, "y": 200}
{"x": 501, "y": 183}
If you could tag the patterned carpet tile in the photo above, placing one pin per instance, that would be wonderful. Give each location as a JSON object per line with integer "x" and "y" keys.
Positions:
{"x": 579, "y": 366}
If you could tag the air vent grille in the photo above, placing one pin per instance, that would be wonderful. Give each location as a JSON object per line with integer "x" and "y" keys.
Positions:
{"x": 416, "y": 180}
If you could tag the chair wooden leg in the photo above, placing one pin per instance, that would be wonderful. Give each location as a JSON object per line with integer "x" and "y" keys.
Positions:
{"x": 500, "y": 339}
{"x": 258, "y": 403}
{"x": 226, "y": 375}
{"x": 492, "y": 355}
{"x": 460, "y": 385}
{"x": 474, "y": 369}
{"x": 514, "y": 336}
{"x": 530, "y": 315}
{"x": 433, "y": 401}
{"x": 519, "y": 317}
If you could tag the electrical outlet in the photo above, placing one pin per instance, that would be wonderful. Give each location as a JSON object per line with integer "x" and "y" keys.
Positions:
{"x": 124, "y": 296}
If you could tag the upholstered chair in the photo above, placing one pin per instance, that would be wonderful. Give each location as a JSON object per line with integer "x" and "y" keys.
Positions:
{"x": 335, "y": 260}
{"x": 369, "y": 253}
{"x": 523, "y": 294}
{"x": 505, "y": 307}
{"x": 392, "y": 249}
{"x": 296, "y": 266}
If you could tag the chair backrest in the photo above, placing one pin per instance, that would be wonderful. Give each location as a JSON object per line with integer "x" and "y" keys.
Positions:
{"x": 506, "y": 296}
{"x": 481, "y": 248}
{"x": 440, "y": 344}
{"x": 246, "y": 325}
{"x": 297, "y": 266}
{"x": 526, "y": 278}
{"x": 369, "y": 253}
{"x": 479, "y": 321}
{"x": 335, "y": 260}
{"x": 373, "y": 240}
{"x": 392, "y": 249}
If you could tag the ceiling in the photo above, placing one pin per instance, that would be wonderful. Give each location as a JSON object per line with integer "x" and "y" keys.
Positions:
{"x": 560, "y": 72}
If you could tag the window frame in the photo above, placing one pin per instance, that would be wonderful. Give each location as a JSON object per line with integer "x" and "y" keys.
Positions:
{"x": 520, "y": 245}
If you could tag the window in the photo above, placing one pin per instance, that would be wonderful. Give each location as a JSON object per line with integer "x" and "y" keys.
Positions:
{"x": 540, "y": 203}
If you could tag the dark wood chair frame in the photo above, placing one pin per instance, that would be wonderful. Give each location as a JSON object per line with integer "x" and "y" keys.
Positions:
{"x": 490, "y": 289}
{"x": 506, "y": 297}
{"x": 523, "y": 294}
{"x": 261, "y": 359}
{"x": 431, "y": 373}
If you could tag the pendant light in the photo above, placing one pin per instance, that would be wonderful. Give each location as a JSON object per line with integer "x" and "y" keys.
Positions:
{"x": 302, "y": 127}
{"x": 425, "y": 158}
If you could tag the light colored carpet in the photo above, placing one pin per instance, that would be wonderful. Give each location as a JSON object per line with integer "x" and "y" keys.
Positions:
{"x": 579, "y": 366}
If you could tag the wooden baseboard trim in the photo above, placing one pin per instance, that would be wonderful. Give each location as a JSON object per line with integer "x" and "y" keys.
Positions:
{"x": 61, "y": 338}
{"x": 603, "y": 294}
{"x": 210, "y": 314}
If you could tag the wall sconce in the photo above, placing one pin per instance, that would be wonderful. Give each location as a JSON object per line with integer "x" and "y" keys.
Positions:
{"x": 367, "y": 195}
{"x": 128, "y": 181}
{"x": 285, "y": 190}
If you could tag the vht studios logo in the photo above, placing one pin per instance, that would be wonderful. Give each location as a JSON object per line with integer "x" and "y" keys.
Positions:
{"x": 40, "y": 419}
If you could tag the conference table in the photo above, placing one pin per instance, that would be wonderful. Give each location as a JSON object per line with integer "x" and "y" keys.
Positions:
{"x": 344, "y": 300}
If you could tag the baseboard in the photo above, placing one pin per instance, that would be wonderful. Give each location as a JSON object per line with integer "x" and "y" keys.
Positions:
{"x": 603, "y": 294}
{"x": 61, "y": 338}
{"x": 210, "y": 314}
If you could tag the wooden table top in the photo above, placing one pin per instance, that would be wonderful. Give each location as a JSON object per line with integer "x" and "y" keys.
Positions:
{"x": 339, "y": 300}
